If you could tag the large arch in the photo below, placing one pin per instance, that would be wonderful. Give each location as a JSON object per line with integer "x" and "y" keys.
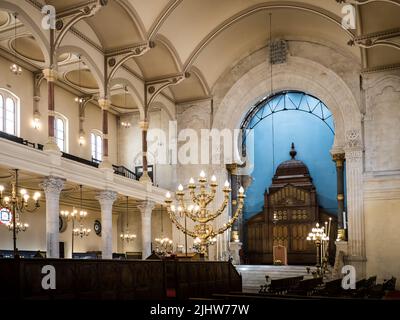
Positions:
{"x": 306, "y": 75}
{"x": 297, "y": 74}
{"x": 32, "y": 19}
{"x": 87, "y": 59}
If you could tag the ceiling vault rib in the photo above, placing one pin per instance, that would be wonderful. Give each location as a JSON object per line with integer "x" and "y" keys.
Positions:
{"x": 390, "y": 38}
{"x": 171, "y": 6}
{"x": 361, "y": 2}
{"x": 227, "y": 23}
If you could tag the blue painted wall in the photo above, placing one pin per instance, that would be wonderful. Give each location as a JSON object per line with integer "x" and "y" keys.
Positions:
{"x": 313, "y": 141}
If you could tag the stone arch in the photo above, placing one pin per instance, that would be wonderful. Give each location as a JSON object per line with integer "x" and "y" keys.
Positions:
{"x": 158, "y": 104}
{"x": 297, "y": 74}
{"x": 136, "y": 96}
{"x": 87, "y": 59}
{"x": 32, "y": 20}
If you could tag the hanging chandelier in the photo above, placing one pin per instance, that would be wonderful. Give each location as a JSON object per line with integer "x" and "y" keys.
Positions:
{"x": 13, "y": 205}
{"x": 125, "y": 124}
{"x": 14, "y": 67}
{"x": 164, "y": 245}
{"x": 77, "y": 216}
{"x": 127, "y": 236}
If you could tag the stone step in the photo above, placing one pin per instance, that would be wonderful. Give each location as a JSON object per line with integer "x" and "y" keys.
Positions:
{"x": 253, "y": 276}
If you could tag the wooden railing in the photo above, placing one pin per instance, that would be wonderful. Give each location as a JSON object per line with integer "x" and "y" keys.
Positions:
{"x": 117, "y": 279}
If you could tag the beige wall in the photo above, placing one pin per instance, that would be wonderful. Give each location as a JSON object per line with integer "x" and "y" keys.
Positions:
{"x": 22, "y": 86}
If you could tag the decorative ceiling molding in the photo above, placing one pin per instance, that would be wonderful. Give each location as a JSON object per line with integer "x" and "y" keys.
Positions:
{"x": 157, "y": 24}
{"x": 389, "y": 67}
{"x": 153, "y": 88}
{"x": 252, "y": 10}
{"x": 130, "y": 10}
{"x": 362, "y": 2}
{"x": 389, "y": 38}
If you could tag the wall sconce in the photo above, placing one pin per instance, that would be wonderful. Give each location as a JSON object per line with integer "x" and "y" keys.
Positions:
{"x": 125, "y": 124}
{"x": 36, "y": 120}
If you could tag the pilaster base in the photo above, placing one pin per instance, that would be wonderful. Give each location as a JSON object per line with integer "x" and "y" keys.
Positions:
{"x": 340, "y": 258}
{"x": 234, "y": 249}
{"x": 360, "y": 263}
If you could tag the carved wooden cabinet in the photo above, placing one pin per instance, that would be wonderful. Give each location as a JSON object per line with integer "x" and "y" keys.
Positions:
{"x": 290, "y": 212}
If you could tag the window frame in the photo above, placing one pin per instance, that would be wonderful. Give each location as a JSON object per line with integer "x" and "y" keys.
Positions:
{"x": 64, "y": 119}
{"x": 4, "y": 95}
{"x": 94, "y": 151}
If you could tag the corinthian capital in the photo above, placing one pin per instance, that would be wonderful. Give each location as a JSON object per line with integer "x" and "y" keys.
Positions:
{"x": 106, "y": 197}
{"x": 146, "y": 208}
{"x": 52, "y": 185}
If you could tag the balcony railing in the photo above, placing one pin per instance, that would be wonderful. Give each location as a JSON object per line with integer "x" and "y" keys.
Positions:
{"x": 120, "y": 170}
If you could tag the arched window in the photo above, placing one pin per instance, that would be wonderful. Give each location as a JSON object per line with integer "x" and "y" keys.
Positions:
{"x": 96, "y": 141}
{"x": 9, "y": 104}
{"x": 61, "y": 132}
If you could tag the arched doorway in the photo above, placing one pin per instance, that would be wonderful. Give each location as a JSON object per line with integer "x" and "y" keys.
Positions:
{"x": 290, "y": 191}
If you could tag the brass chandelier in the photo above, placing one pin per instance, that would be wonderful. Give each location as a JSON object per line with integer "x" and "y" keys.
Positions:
{"x": 18, "y": 202}
{"x": 203, "y": 233}
{"x": 126, "y": 235}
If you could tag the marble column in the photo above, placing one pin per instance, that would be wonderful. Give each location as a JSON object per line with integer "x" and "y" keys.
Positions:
{"x": 144, "y": 125}
{"x": 355, "y": 205}
{"x": 339, "y": 158}
{"x": 146, "y": 209}
{"x": 106, "y": 199}
{"x": 104, "y": 104}
{"x": 51, "y": 76}
{"x": 52, "y": 187}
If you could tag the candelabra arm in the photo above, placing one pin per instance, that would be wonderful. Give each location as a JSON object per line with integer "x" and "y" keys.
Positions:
{"x": 232, "y": 221}
{"x": 179, "y": 226}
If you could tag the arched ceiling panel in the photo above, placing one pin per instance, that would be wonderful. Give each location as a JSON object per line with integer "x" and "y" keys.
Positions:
{"x": 149, "y": 10}
{"x": 189, "y": 89}
{"x": 86, "y": 30}
{"x": 85, "y": 80}
{"x": 133, "y": 66}
{"x": 196, "y": 19}
{"x": 122, "y": 101}
{"x": 380, "y": 55}
{"x": 252, "y": 32}
{"x": 379, "y": 16}
{"x": 157, "y": 62}
{"x": 115, "y": 27}
{"x": 4, "y": 18}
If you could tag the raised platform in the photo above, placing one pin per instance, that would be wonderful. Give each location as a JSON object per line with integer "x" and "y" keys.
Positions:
{"x": 253, "y": 276}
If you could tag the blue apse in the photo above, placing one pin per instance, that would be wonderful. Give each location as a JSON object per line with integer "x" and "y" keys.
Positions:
{"x": 313, "y": 140}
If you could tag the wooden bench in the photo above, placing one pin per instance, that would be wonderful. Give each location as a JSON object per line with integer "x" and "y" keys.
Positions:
{"x": 281, "y": 286}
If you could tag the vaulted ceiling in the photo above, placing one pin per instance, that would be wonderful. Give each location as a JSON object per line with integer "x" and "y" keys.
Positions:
{"x": 207, "y": 37}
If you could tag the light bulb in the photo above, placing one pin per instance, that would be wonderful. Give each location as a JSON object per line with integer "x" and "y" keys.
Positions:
{"x": 168, "y": 195}
{"x": 26, "y": 197}
{"x": 226, "y": 185}
{"x": 213, "y": 179}
{"x": 76, "y": 99}
{"x": 1, "y": 188}
{"x": 241, "y": 190}
{"x": 180, "y": 187}
{"x": 191, "y": 181}
{"x": 202, "y": 174}
{"x": 36, "y": 195}
{"x": 23, "y": 191}
{"x": 7, "y": 199}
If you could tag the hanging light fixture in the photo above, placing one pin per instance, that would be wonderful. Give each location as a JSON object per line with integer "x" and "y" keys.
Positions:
{"x": 125, "y": 124}
{"x": 127, "y": 236}
{"x": 15, "y": 68}
{"x": 79, "y": 99}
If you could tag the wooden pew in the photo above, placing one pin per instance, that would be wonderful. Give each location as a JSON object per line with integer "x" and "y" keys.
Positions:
{"x": 281, "y": 286}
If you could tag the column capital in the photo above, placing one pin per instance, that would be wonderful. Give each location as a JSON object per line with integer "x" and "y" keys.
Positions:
{"x": 50, "y": 74}
{"x": 106, "y": 197}
{"x": 104, "y": 103}
{"x": 338, "y": 158}
{"x": 146, "y": 207}
{"x": 144, "y": 125}
{"x": 52, "y": 185}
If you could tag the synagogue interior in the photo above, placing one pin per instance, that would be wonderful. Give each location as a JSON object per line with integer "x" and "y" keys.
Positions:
{"x": 219, "y": 149}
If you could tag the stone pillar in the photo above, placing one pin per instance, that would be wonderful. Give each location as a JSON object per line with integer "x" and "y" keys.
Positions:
{"x": 146, "y": 209}
{"x": 144, "y": 125}
{"x": 339, "y": 158}
{"x": 51, "y": 77}
{"x": 106, "y": 199}
{"x": 52, "y": 187}
{"x": 355, "y": 207}
{"x": 104, "y": 103}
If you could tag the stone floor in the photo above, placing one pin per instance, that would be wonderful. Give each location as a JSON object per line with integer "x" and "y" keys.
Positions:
{"x": 253, "y": 276}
